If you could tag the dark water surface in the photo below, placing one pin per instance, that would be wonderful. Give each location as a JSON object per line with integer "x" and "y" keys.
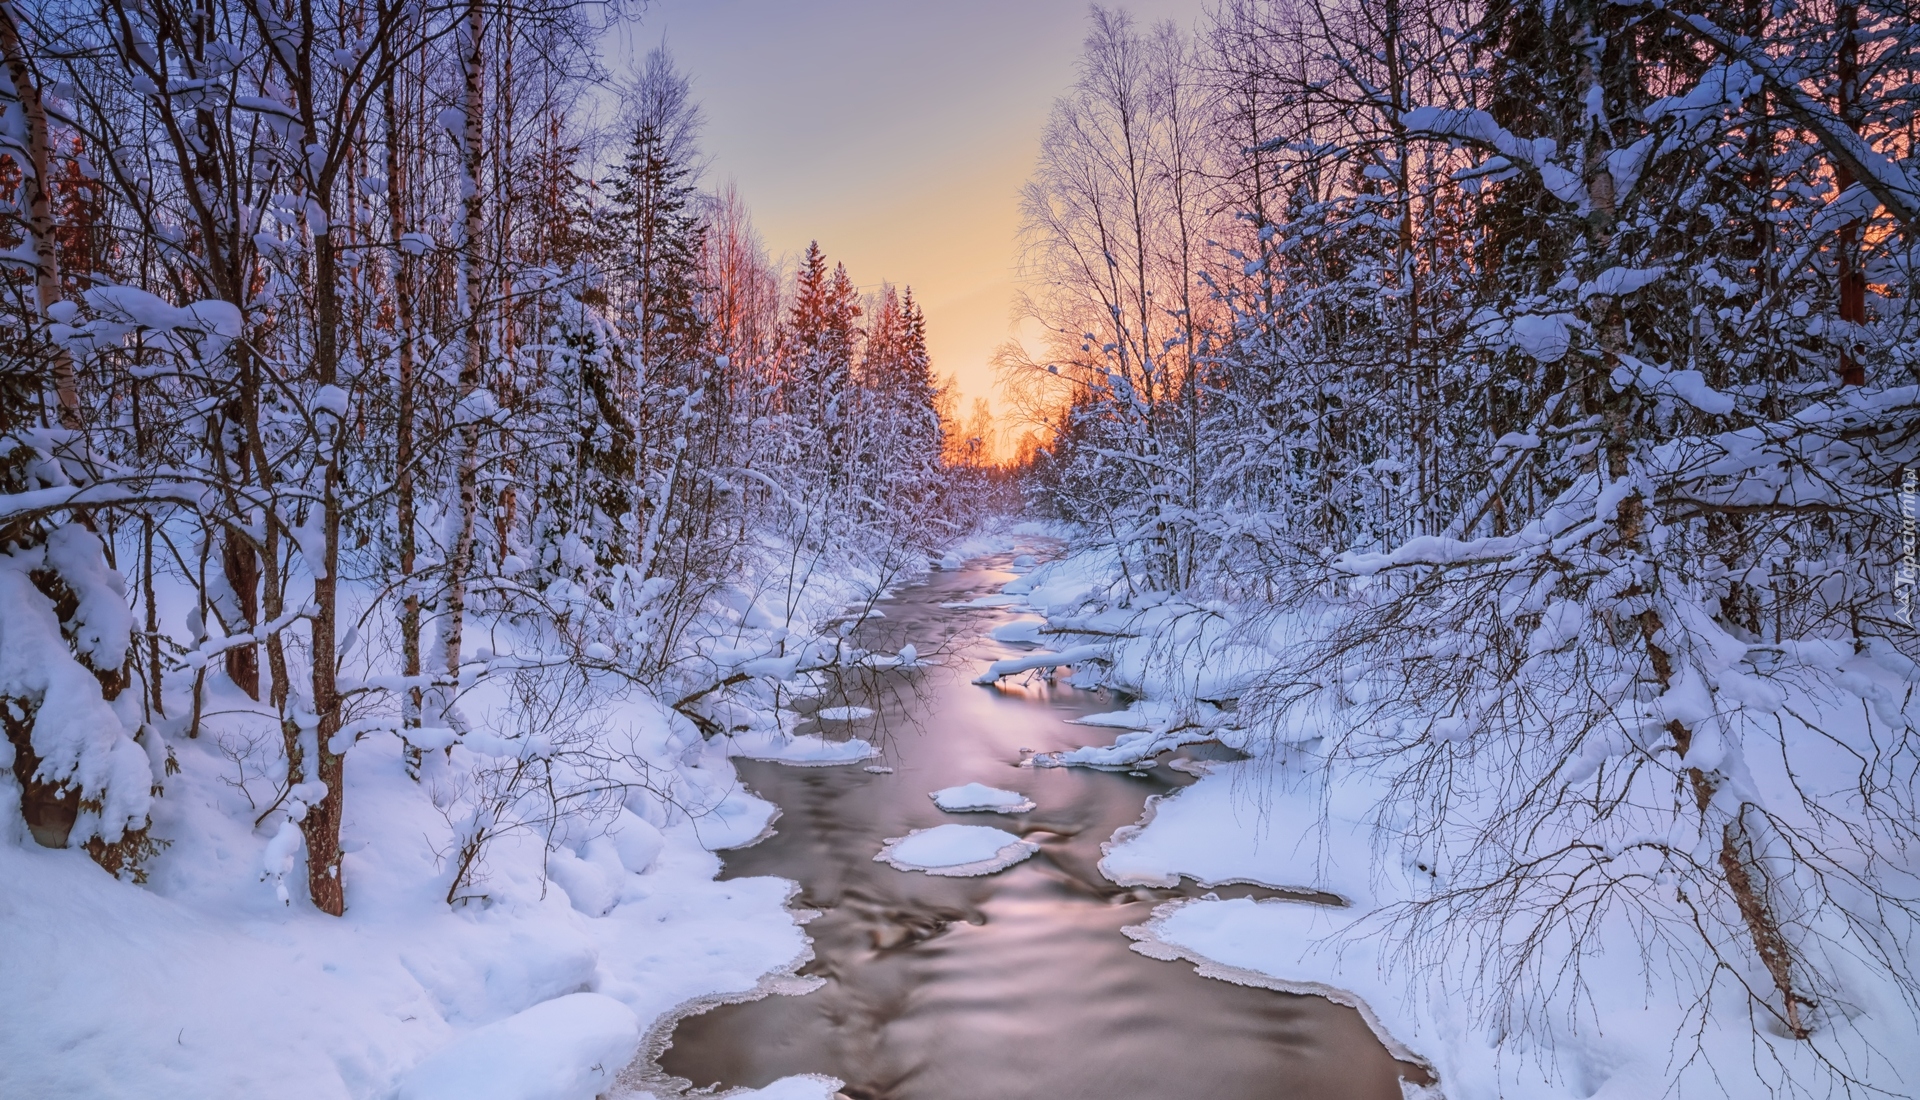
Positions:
{"x": 1017, "y": 985}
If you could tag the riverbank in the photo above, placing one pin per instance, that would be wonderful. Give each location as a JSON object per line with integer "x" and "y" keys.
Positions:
{"x": 1621, "y": 1016}
{"x": 584, "y": 919}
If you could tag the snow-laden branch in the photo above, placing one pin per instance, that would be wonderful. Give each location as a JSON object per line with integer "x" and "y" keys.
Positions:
{"x": 1770, "y": 466}
{"x": 1071, "y": 656}
{"x": 1885, "y": 180}
{"x": 1479, "y": 128}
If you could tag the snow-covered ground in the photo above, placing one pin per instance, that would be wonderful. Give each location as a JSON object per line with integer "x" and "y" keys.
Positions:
{"x": 578, "y": 941}
{"x": 202, "y": 984}
{"x": 1286, "y": 818}
{"x": 573, "y": 937}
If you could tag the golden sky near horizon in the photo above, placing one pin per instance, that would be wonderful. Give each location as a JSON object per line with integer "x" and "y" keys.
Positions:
{"x": 896, "y": 133}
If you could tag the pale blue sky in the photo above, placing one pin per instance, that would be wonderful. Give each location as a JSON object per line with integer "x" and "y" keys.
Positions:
{"x": 897, "y": 133}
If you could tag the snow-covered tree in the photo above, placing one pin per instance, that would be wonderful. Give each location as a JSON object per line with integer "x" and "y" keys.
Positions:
{"x": 327, "y": 326}
{"x": 1560, "y": 375}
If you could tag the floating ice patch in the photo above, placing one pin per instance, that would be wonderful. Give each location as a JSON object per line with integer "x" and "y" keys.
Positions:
{"x": 878, "y": 769}
{"x": 956, "y": 850}
{"x": 843, "y": 714}
{"x": 979, "y": 796}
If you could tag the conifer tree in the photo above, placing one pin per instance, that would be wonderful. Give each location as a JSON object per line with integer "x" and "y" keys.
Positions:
{"x": 917, "y": 388}
{"x": 657, "y": 238}
{"x": 823, "y": 334}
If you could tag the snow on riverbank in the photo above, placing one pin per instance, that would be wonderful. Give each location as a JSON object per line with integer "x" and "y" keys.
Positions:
{"x": 1292, "y": 819}
{"x": 806, "y": 1086}
{"x": 801, "y": 749}
{"x": 203, "y": 985}
{"x": 566, "y": 1047}
{"x": 576, "y": 934}
{"x": 1241, "y": 823}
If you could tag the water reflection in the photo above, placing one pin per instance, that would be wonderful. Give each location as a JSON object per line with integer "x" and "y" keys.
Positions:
{"x": 1017, "y": 985}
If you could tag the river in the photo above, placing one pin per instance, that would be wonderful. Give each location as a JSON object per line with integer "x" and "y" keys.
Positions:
{"x": 1012, "y": 986}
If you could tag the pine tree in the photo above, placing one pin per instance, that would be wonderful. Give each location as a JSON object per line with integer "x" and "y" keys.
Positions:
{"x": 823, "y": 336}
{"x": 656, "y": 242}
{"x": 898, "y": 432}
{"x": 918, "y": 389}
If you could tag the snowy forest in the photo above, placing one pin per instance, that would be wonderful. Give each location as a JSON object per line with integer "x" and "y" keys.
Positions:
{"x": 1469, "y": 468}
{"x": 1546, "y": 375}
{"x": 336, "y": 340}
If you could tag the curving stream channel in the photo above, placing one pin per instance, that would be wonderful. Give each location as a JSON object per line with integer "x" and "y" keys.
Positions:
{"x": 1013, "y": 986}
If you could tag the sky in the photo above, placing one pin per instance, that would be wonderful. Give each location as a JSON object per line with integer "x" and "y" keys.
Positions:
{"x": 896, "y": 132}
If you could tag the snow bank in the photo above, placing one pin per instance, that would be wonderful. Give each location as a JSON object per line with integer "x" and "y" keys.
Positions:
{"x": 843, "y": 714}
{"x": 1630, "y": 1040}
{"x": 568, "y": 1048}
{"x": 806, "y": 1086}
{"x": 1291, "y": 819}
{"x": 1151, "y": 728}
{"x": 203, "y": 985}
{"x": 1019, "y": 632}
{"x": 1143, "y": 715}
{"x": 993, "y": 539}
{"x": 1255, "y": 821}
{"x": 143, "y": 997}
{"x": 1048, "y": 661}
{"x": 979, "y": 796}
{"x": 1278, "y": 945}
{"x": 956, "y": 850}
{"x": 1238, "y": 825}
{"x": 803, "y": 749}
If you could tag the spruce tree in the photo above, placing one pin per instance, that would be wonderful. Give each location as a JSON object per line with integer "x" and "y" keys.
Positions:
{"x": 823, "y": 335}
{"x": 657, "y": 238}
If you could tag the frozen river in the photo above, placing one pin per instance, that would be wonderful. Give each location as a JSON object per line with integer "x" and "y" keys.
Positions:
{"x": 1011, "y": 986}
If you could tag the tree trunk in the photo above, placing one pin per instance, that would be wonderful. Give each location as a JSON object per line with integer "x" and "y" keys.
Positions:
{"x": 1853, "y": 281}
{"x": 1745, "y": 878}
{"x": 473, "y": 288}
{"x": 403, "y": 457}
{"x": 155, "y": 699}
{"x": 242, "y": 569}
{"x": 321, "y": 825}
{"x": 35, "y": 181}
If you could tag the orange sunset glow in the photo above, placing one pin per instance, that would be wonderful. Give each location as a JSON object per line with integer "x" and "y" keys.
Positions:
{"x": 896, "y": 134}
